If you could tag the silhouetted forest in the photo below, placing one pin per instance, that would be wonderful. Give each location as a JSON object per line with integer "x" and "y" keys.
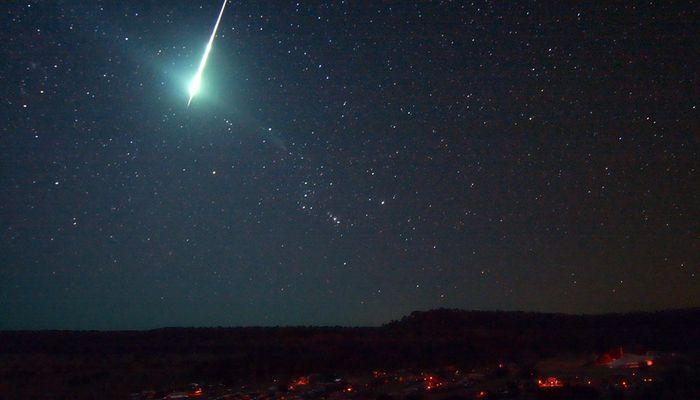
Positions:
{"x": 119, "y": 362}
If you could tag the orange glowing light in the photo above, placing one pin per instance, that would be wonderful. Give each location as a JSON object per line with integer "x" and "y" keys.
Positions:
{"x": 650, "y": 363}
{"x": 303, "y": 381}
{"x": 550, "y": 382}
{"x": 431, "y": 382}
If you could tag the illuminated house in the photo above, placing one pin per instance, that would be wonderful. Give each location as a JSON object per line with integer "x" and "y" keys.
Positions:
{"x": 617, "y": 359}
{"x": 550, "y": 382}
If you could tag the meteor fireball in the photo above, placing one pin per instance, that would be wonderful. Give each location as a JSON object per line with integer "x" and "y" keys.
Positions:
{"x": 196, "y": 81}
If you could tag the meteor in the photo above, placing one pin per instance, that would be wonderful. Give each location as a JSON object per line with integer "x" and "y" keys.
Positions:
{"x": 196, "y": 81}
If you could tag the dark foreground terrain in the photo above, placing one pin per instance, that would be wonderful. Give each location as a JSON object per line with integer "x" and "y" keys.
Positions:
{"x": 441, "y": 354}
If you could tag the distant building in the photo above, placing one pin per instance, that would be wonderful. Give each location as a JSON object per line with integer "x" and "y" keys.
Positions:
{"x": 618, "y": 359}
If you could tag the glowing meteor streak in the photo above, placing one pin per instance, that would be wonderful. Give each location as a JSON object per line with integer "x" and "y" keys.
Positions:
{"x": 196, "y": 81}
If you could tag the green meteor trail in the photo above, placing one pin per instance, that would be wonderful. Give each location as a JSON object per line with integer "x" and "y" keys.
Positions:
{"x": 196, "y": 81}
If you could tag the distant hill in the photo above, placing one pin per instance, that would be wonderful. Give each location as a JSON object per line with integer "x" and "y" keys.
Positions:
{"x": 456, "y": 318}
{"x": 669, "y": 322}
{"x": 502, "y": 332}
{"x": 511, "y": 332}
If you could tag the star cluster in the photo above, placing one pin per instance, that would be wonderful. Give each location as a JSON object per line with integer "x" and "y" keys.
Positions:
{"x": 345, "y": 163}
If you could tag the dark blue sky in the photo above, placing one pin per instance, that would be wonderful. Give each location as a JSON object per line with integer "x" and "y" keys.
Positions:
{"x": 344, "y": 163}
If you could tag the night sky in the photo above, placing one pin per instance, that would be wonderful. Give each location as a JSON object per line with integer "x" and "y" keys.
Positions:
{"x": 345, "y": 163}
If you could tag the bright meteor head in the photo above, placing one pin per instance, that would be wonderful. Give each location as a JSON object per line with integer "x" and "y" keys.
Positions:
{"x": 195, "y": 84}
